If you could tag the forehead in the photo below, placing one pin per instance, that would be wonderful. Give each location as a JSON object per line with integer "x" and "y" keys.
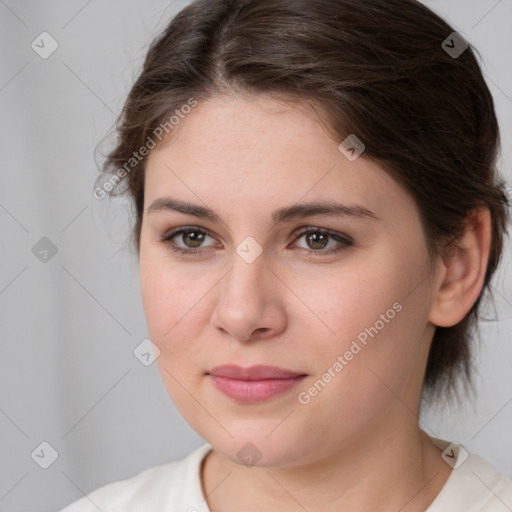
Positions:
{"x": 258, "y": 151}
{"x": 248, "y": 132}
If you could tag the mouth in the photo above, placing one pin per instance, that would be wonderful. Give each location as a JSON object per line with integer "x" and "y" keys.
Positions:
{"x": 255, "y": 383}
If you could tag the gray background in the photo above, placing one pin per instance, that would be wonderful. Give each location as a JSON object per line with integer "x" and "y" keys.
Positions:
{"x": 69, "y": 325}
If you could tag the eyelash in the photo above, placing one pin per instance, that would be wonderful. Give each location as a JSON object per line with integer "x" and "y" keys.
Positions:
{"x": 338, "y": 237}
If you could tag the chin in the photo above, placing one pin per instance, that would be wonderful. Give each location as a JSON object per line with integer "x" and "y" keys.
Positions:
{"x": 260, "y": 449}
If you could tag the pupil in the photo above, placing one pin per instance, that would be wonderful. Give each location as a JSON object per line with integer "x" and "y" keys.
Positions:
{"x": 317, "y": 240}
{"x": 196, "y": 238}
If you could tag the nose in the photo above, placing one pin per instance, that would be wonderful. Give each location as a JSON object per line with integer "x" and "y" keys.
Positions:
{"x": 249, "y": 304}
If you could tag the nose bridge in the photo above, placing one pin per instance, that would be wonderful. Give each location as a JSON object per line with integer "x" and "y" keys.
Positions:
{"x": 246, "y": 281}
{"x": 247, "y": 300}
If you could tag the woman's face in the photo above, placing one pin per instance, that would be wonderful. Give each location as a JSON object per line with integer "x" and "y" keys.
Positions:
{"x": 345, "y": 313}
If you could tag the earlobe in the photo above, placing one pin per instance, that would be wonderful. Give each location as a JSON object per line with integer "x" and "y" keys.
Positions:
{"x": 461, "y": 273}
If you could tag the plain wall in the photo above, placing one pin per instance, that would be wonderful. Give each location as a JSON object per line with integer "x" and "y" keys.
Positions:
{"x": 69, "y": 324}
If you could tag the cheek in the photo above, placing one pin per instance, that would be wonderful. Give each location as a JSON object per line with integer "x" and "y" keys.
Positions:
{"x": 168, "y": 300}
{"x": 374, "y": 315}
{"x": 368, "y": 367}
{"x": 160, "y": 289}
{"x": 165, "y": 297}
{"x": 351, "y": 300}
{"x": 175, "y": 301}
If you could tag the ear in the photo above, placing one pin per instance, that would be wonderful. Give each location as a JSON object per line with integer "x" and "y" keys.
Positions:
{"x": 461, "y": 273}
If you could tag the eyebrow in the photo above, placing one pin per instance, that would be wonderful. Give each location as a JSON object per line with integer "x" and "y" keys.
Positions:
{"x": 285, "y": 214}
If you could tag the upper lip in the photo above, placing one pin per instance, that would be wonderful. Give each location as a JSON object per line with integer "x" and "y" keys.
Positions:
{"x": 259, "y": 372}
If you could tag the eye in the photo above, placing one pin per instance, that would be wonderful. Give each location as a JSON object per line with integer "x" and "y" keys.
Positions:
{"x": 319, "y": 241}
{"x": 323, "y": 241}
{"x": 191, "y": 239}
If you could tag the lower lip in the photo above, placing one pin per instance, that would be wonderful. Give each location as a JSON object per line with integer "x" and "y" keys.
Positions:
{"x": 252, "y": 391}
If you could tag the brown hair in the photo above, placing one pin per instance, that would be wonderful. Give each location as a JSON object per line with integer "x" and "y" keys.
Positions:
{"x": 377, "y": 69}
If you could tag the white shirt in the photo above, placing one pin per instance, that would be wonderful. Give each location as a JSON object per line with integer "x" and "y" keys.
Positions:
{"x": 473, "y": 486}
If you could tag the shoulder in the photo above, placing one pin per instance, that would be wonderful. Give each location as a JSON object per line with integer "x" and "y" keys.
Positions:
{"x": 473, "y": 485}
{"x": 175, "y": 484}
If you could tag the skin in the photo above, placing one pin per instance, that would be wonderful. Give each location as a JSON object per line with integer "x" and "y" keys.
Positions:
{"x": 298, "y": 308}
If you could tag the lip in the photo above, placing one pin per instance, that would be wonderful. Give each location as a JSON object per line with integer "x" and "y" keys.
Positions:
{"x": 255, "y": 383}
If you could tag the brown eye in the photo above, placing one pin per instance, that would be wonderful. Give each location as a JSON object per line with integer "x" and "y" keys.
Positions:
{"x": 193, "y": 238}
{"x": 187, "y": 240}
{"x": 322, "y": 241}
{"x": 317, "y": 240}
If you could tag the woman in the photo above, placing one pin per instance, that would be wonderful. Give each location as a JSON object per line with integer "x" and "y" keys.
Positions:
{"x": 318, "y": 214}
